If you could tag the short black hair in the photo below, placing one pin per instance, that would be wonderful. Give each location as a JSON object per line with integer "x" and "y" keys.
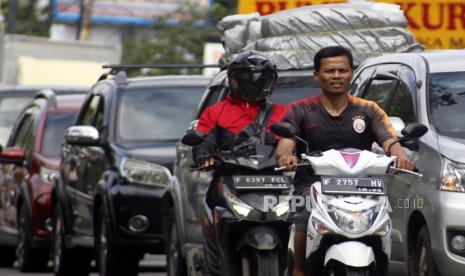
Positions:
{"x": 332, "y": 51}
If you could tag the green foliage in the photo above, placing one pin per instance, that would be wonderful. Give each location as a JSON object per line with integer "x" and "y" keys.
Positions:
{"x": 180, "y": 43}
{"x": 30, "y": 19}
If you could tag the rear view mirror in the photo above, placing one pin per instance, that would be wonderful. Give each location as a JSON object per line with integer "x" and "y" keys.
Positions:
{"x": 82, "y": 135}
{"x": 193, "y": 138}
{"x": 12, "y": 155}
{"x": 285, "y": 130}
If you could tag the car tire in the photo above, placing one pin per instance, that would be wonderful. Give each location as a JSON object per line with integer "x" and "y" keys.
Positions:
{"x": 29, "y": 259}
{"x": 424, "y": 264}
{"x": 111, "y": 259}
{"x": 67, "y": 261}
{"x": 175, "y": 262}
{"x": 7, "y": 256}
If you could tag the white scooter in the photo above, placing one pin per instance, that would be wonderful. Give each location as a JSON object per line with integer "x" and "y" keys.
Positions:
{"x": 349, "y": 229}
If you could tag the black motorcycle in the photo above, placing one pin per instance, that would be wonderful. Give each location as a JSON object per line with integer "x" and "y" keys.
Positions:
{"x": 251, "y": 221}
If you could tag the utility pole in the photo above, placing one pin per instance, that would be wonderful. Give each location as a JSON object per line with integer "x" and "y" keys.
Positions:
{"x": 82, "y": 7}
{"x": 11, "y": 17}
{"x": 86, "y": 20}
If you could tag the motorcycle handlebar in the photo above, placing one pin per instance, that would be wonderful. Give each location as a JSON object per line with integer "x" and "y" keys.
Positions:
{"x": 284, "y": 168}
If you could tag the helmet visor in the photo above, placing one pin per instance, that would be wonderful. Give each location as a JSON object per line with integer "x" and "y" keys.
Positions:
{"x": 252, "y": 85}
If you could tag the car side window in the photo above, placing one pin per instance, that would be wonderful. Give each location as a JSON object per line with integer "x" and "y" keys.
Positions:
{"x": 99, "y": 123}
{"x": 23, "y": 129}
{"x": 394, "y": 94}
{"x": 401, "y": 105}
{"x": 379, "y": 91}
{"x": 361, "y": 80}
{"x": 89, "y": 115}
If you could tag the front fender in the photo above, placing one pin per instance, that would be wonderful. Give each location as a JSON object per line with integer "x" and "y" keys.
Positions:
{"x": 102, "y": 197}
{"x": 60, "y": 199}
{"x": 173, "y": 199}
{"x": 351, "y": 253}
{"x": 260, "y": 238}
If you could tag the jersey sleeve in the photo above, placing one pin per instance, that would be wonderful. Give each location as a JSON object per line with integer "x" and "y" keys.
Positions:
{"x": 381, "y": 125}
{"x": 293, "y": 115}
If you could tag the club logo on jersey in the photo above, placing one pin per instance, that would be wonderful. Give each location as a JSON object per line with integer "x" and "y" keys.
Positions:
{"x": 359, "y": 124}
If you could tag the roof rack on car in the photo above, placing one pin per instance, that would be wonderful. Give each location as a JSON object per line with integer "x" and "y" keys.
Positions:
{"x": 116, "y": 68}
{"x": 49, "y": 95}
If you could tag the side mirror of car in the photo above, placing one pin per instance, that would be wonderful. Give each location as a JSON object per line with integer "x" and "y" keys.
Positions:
{"x": 193, "y": 125}
{"x": 193, "y": 138}
{"x": 82, "y": 136}
{"x": 12, "y": 155}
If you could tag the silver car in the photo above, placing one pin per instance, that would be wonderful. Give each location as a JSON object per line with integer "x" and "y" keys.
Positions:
{"x": 428, "y": 212}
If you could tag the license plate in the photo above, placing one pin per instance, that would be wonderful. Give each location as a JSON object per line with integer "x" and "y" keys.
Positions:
{"x": 261, "y": 182}
{"x": 353, "y": 185}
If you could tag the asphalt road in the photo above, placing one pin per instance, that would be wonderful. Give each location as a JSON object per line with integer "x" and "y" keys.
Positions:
{"x": 155, "y": 266}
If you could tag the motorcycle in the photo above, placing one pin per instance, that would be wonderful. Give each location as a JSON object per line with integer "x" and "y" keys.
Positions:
{"x": 250, "y": 224}
{"x": 349, "y": 229}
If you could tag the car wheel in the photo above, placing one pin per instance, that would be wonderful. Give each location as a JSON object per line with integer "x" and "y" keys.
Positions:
{"x": 29, "y": 259}
{"x": 176, "y": 263}
{"x": 7, "y": 256}
{"x": 67, "y": 261}
{"x": 424, "y": 264}
{"x": 111, "y": 259}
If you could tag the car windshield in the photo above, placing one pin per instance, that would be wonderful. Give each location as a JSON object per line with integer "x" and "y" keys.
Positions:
{"x": 55, "y": 128}
{"x": 155, "y": 114}
{"x": 10, "y": 108}
{"x": 447, "y": 103}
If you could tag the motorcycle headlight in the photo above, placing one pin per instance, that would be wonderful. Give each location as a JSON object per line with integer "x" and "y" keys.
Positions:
{"x": 384, "y": 229}
{"x": 47, "y": 175}
{"x": 240, "y": 209}
{"x": 145, "y": 173}
{"x": 453, "y": 176}
{"x": 353, "y": 222}
{"x": 320, "y": 226}
{"x": 282, "y": 207}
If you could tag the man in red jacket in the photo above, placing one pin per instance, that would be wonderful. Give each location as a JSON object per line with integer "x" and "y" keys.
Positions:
{"x": 242, "y": 119}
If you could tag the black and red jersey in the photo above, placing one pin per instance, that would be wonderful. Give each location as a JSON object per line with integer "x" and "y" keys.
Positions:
{"x": 358, "y": 126}
{"x": 222, "y": 122}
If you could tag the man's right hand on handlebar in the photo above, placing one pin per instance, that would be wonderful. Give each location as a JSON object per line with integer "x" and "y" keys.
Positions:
{"x": 289, "y": 161}
{"x": 206, "y": 164}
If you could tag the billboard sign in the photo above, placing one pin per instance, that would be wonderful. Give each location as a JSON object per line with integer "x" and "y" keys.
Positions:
{"x": 437, "y": 24}
{"x": 121, "y": 12}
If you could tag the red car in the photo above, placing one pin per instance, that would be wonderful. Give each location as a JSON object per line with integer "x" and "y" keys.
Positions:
{"x": 27, "y": 165}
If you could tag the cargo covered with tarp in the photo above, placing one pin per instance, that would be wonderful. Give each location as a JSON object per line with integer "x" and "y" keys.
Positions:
{"x": 292, "y": 37}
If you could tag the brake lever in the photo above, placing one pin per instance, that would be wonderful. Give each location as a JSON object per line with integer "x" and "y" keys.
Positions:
{"x": 406, "y": 171}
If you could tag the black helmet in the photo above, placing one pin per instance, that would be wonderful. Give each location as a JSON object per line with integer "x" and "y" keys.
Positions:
{"x": 251, "y": 76}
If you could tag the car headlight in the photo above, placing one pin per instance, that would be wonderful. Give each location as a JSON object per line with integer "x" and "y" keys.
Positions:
{"x": 240, "y": 208}
{"x": 353, "y": 222}
{"x": 47, "y": 175}
{"x": 453, "y": 176}
{"x": 145, "y": 173}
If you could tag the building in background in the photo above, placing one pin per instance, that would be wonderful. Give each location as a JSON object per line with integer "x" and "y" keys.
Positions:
{"x": 437, "y": 24}
{"x": 109, "y": 19}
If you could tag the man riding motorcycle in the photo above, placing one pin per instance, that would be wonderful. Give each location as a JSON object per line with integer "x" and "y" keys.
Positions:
{"x": 236, "y": 123}
{"x": 332, "y": 120}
